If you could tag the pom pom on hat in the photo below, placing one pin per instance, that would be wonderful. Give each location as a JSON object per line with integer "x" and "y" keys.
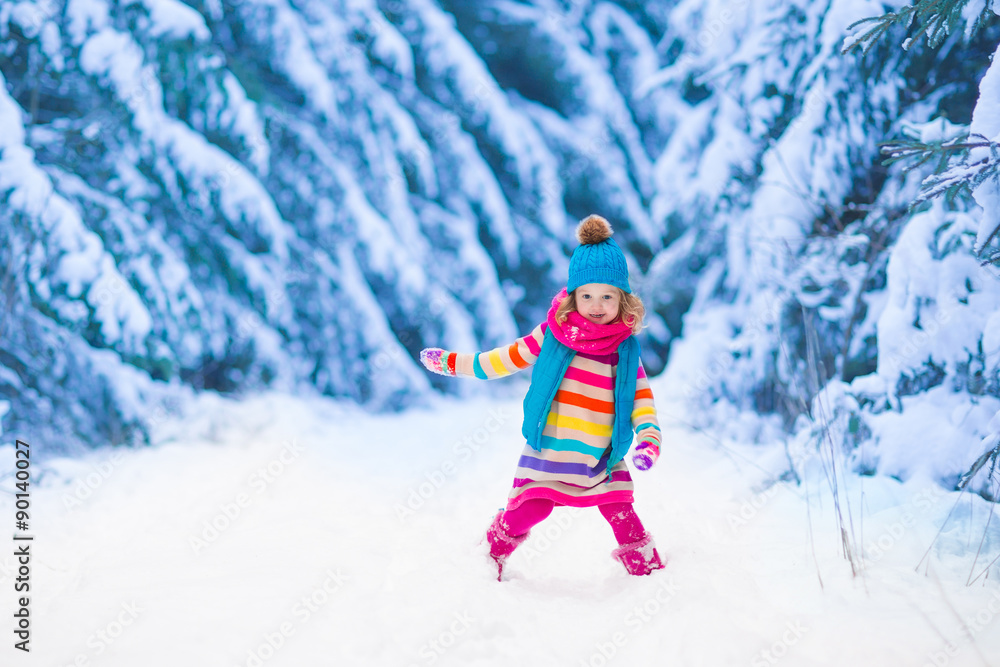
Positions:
{"x": 597, "y": 259}
{"x": 593, "y": 229}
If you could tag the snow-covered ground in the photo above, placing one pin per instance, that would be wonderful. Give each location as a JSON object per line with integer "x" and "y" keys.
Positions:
{"x": 286, "y": 531}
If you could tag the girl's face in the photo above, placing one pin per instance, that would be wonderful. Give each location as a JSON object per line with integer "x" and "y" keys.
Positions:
{"x": 598, "y": 302}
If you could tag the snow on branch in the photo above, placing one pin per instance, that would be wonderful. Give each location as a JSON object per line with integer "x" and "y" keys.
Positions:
{"x": 963, "y": 163}
{"x": 935, "y": 18}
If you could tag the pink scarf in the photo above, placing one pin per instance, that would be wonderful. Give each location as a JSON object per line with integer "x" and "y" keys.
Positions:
{"x": 580, "y": 334}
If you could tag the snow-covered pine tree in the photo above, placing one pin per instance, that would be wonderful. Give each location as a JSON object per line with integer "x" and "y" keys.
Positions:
{"x": 813, "y": 287}
{"x": 229, "y": 196}
{"x": 948, "y": 314}
{"x": 967, "y": 161}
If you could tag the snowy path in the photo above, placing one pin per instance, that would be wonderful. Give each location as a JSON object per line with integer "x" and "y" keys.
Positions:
{"x": 258, "y": 542}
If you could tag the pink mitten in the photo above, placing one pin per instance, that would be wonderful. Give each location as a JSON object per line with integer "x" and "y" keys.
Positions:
{"x": 434, "y": 359}
{"x": 645, "y": 455}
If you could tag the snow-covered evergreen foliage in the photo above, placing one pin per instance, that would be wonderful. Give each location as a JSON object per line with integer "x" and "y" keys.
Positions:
{"x": 226, "y": 196}
{"x": 836, "y": 304}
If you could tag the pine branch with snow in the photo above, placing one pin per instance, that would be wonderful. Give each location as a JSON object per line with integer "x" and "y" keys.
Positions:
{"x": 960, "y": 165}
{"x": 934, "y": 19}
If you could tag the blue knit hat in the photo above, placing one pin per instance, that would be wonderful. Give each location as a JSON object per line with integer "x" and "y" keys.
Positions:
{"x": 597, "y": 259}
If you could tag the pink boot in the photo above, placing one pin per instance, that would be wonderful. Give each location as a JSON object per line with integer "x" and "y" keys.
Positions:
{"x": 639, "y": 557}
{"x": 502, "y": 543}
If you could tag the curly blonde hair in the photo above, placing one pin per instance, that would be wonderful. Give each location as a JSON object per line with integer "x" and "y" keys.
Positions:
{"x": 630, "y": 309}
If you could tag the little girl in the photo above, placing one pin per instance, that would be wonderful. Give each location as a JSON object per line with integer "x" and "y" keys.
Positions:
{"x": 588, "y": 393}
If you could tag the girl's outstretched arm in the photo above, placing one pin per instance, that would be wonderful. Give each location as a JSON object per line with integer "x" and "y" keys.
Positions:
{"x": 644, "y": 421}
{"x": 496, "y": 363}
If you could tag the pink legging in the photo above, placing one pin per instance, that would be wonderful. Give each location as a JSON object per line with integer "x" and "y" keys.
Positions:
{"x": 622, "y": 517}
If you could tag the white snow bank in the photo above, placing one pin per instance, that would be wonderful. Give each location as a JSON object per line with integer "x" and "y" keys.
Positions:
{"x": 283, "y": 531}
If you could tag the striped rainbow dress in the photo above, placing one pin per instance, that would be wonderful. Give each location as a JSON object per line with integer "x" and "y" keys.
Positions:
{"x": 576, "y": 441}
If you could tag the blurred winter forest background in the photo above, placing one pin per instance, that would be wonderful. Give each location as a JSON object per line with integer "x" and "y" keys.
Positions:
{"x": 299, "y": 196}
